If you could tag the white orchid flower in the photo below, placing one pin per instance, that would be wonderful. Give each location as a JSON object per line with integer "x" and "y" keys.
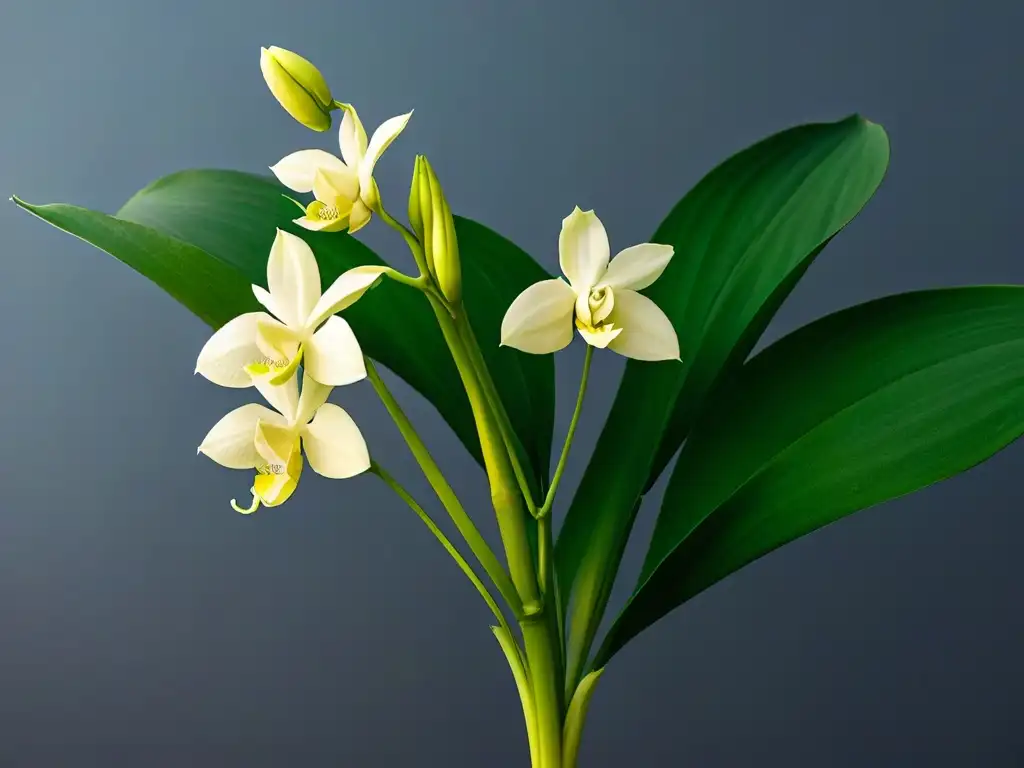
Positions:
{"x": 344, "y": 187}
{"x": 272, "y": 441}
{"x": 301, "y": 328}
{"x": 601, "y": 295}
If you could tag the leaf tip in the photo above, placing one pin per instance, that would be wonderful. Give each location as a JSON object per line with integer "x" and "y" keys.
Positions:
{"x": 22, "y": 204}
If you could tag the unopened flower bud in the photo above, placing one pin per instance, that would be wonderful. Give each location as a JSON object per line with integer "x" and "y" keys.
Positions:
{"x": 298, "y": 86}
{"x": 415, "y": 213}
{"x": 437, "y": 226}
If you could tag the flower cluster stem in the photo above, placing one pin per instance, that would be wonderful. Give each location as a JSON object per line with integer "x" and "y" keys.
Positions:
{"x": 539, "y": 669}
{"x": 484, "y": 554}
{"x": 405, "y": 496}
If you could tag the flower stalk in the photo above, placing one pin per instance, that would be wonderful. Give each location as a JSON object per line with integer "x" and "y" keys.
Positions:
{"x": 484, "y": 554}
{"x": 450, "y": 548}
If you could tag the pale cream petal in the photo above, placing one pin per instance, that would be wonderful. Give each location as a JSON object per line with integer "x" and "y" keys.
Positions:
{"x": 297, "y": 170}
{"x": 333, "y": 356}
{"x": 381, "y": 139}
{"x": 637, "y": 267}
{"x": 583, "y": 249}
{"x": 281, "y": 464}
{"x": 314, "y": 394}
{"x": 352, "y": 137}
{"x": 263, "y": 297}
{"x": 330, "y": 183}
{"x": 223, "y": 358}
{"x": 293, "y": 278}
{"x": 277, "y": 374}
{"x": 598, "y": 337}
{"x": 601, "y": 302}
{"x": 583, "y": 309}
{"x": 274, "y": 489}
{"x": 322, "y": 225}
{"x": 345, "y": 291}
{"x": 232, "y": 441}
{"x": 334, "y": 445}
{"x": 275, "y": 443}
{"x": 539, "y": 321}
{"x": 647, "y": 333}
{"x": 359, "y": 217}
{"x": 277, "y": 342}
{"x": 283, "y": 397}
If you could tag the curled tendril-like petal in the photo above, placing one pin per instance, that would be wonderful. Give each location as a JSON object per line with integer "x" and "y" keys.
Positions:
{"x": 252, "y": 507}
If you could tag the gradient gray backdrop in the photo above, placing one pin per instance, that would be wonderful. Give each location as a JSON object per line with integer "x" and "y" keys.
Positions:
{"x": 143, "y": 623}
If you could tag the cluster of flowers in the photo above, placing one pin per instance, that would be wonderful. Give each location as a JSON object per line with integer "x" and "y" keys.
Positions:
{"x": 265, "y": 351}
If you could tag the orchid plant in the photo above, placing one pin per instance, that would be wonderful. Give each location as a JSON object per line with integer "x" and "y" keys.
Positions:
{"x": 864, "y": 405}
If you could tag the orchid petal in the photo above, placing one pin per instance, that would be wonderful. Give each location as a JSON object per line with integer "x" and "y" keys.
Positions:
{"x": 345, "y": 291}
{"x": 314, "y": 394}
{"x": 334, "y": 445}
{"x": 297, "y": 170}
{"x": 583, "y": 249}
{"x": 333, "y": 356}
{"x": 539, "y": 321}
{"x": 359, "y": 217}
{"x": 351, "y": 136}
{"x": 231, "y": 442}
{"x": 293, "y": 278}
{"x": 647, "y": 333}
{"x": 381, "y": 139}
{"x": 223, "y": 358}
{"x": 637, "y": 267}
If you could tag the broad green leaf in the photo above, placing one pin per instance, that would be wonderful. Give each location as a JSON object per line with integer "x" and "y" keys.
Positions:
{"x": 213, "y": 291}
{"x": 743, "y": 237}
{"x": 862, "y": 406}
{"x": 232, "y": 217}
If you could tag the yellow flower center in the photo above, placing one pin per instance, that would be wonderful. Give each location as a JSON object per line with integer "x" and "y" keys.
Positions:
{"x": 600, "y": 303}
{"x": 322, "y": 211}
{"x": 593, "y": 318}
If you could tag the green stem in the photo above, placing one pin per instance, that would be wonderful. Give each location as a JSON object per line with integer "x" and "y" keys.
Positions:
{"x": 405, "y": 496}
{"x": 544, "y": 668}
{"x": 498, "y": 409}
{"x": 507, "y": 506}
{"x": 543, "y": 552}
{"x": 407, "y": 234}
{"x": 420, "y": 283}
{"x": 522, "y": 678}
{"x": 484, "y": 554}
{"x": 557, "y": 477}
{"x": 424, "y": 282}
{"x": 505, "y": 496}
{"x": 541, "y": 642}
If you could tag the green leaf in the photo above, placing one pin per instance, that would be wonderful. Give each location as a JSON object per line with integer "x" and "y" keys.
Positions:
{"x": 213, "y": 291}
{"x": 743, "y": 237}
{"x": 862, "y": 406}
{"x": 227, "y": 221}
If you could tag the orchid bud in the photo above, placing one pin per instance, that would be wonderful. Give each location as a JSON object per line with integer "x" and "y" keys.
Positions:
{"x": 438, "y": 230}
{"x": 298, "y": 86}
{"x": 415, "y": 214}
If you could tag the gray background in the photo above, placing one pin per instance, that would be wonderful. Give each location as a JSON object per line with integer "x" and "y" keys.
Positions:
{"x": 142, "y": 622}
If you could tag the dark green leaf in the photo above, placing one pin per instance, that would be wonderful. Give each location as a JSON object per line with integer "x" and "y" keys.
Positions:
{"x": 865, "y": 405}
{"x": 743, "y": 237}
{"x": 213, "y": 291}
